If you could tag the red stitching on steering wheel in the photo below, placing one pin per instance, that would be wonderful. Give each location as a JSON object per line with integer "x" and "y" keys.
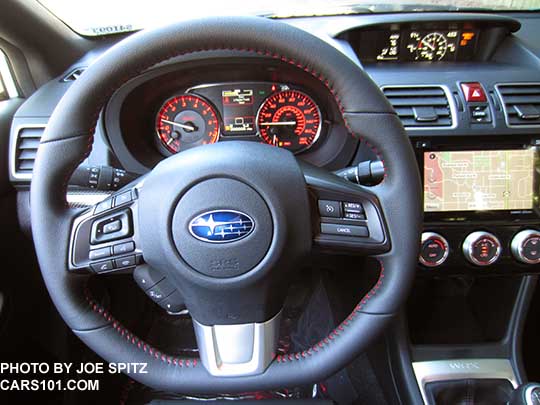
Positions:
{"x": 140, "y": 344}
{"x": 136, "y": 341}
{"x": 283, "y": 358}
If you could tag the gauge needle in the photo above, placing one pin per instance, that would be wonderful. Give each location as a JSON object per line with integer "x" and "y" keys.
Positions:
{"x": 183, "y": 126}
{"x": 279, "y": 123}
{"x": 429, "y": 45}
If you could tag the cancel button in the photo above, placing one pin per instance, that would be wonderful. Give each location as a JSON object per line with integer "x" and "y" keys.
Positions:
{"x": 345, "y": 230}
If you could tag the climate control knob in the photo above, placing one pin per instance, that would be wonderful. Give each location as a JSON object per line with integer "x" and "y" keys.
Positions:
{"x": 434, "y": 249}
{"x": 481, "y": 248}
{"x": 525, "y": 246}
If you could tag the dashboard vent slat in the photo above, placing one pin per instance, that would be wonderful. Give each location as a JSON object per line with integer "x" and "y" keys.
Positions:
{"x": 74, "y": 74}
{"x": 26, "y": 147}
{"x": 421, "y": 106}
{"x": 521, "y": 103}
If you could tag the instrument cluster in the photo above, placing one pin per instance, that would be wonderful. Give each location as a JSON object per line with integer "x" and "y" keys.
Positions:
{"x": 273, "y": 113}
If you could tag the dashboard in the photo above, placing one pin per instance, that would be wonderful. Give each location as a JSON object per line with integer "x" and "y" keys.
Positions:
{"x": 465, "y": 86}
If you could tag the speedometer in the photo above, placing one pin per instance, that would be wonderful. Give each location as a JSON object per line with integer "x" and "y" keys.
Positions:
{"x": 289, "y": 119}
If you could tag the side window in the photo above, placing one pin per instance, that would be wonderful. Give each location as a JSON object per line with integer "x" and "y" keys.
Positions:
{"x": 3, "y": 92}
{"x": 8, "y": 89}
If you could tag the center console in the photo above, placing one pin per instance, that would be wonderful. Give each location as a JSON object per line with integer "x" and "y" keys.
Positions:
{"x": 480, "y": 251}
{"x": 481, "y": 205}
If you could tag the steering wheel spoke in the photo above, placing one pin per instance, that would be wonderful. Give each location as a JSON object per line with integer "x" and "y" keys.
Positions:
{"x": 346, "y": 216}
{"x": 104, "y": 239}
{"x": 237, "y": 350}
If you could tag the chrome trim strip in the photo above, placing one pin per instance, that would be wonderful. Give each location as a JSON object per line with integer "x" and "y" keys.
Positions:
{"x": 474, "y": 237}
{"x": 503, "y": 105}
{"x": 85, "y": 199}
{"x": 237, "y": 350}
{"x": 7, "y": 76}
{"x": 516, "y": 245}
{"x": 449, "y": 98}
{"x": 457, "y": 369}
{"x": 529, "y": 394}
{"x": 14, "y": 139}
{"x": 433, "y": 235}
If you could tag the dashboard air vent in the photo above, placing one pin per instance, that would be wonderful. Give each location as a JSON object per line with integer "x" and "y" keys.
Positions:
{"x": 26, "y": 146}
{"x": 422, "y": 106}
{"x": 74, "y": 74}
{"x": 521, "y": 103}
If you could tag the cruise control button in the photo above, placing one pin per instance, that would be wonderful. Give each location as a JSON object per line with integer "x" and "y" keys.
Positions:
{"x": 103, "y": 206}
{"x": 98, "y": 254}
{"x": 122, "y": 198}
{"x": 103, "y": 266}
{"x": 123, "y": 248}
{"x": 353, "y": 207}
{"x": 126, "y": 261}
{"x": 344, "y": 230}
{"x": 329, "y": 208}
{"x": 354, "y": 215}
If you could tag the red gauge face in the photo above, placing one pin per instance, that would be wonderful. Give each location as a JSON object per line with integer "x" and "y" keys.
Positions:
{"x": 289, "y": 119}
{"x": 186, "y": 121}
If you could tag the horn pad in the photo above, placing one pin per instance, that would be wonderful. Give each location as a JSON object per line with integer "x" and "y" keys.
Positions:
{"x": 222, "y": 228}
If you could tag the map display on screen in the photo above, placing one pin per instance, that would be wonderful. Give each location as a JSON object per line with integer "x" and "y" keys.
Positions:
{"x": 478, "y": 180}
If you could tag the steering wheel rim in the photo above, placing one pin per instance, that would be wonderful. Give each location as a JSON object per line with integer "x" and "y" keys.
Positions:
{"x": 68, "y": 141}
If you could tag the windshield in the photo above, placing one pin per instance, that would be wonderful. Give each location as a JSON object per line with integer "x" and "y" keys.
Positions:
{"x": 102, "y": 17}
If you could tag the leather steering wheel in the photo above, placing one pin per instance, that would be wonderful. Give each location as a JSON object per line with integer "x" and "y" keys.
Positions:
{"x": 234, "y": 291}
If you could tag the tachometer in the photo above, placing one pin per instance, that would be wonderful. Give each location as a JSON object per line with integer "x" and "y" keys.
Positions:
{"x": 289, "y": 119}
{"x": 186, "y": 121}
{"x": 432, "y": 47}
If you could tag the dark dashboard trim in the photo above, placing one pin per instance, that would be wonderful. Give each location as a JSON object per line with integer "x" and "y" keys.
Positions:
{"x": 487, "y": 20}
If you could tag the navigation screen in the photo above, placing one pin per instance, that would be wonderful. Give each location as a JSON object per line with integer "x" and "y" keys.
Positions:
{"x": 479, "y": 180}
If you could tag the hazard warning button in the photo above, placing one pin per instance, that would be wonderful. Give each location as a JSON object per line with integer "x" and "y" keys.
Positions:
{"x": 473, "y": 92}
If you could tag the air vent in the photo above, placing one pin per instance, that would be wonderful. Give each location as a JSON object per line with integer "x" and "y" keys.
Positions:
{"x": 74, "y": 74}
{"x": 26, "y": 146}
{"x": 521, "y": 103}
{"x": 421, "y": 107}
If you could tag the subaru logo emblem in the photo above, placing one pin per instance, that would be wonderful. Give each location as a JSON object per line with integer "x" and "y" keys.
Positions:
{"x": 221, "y": 226}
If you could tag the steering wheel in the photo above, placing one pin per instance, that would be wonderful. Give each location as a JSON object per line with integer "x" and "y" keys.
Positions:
{"x": 234, "y": 290}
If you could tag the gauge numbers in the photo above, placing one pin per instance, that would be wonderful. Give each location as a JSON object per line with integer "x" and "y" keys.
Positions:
{"x": 186, "y": 121}
{"x": 289, "y": 119}
{"x": 432, "y": 46}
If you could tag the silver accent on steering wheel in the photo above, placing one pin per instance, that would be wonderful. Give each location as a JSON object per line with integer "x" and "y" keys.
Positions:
{"x": 237, "y": 350}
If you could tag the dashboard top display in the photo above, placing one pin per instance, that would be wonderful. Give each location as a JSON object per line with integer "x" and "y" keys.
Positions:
{"x": 422, "y": 45}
